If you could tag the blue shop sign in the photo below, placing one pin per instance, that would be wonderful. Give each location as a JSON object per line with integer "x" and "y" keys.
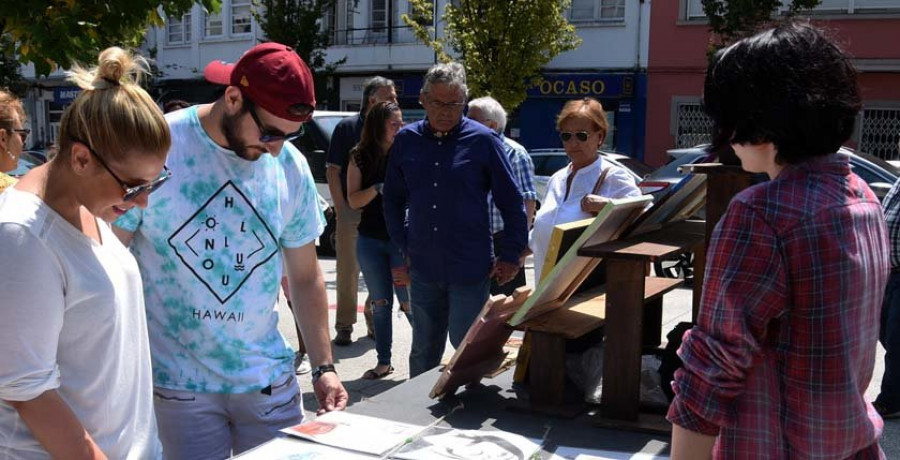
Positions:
{"x": 584, "y": 85}
{"x": 64, "y": 95}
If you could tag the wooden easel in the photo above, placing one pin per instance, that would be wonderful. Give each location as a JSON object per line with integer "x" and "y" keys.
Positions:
{"x": 630, "y": 307}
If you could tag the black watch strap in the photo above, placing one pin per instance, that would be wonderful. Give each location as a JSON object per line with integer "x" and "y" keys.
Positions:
{"x": 319, "y": 370}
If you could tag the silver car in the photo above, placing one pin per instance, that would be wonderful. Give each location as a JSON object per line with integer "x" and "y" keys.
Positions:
{"x": 549, "y": 161}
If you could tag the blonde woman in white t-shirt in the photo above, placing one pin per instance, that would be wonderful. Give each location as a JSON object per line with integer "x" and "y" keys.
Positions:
{"x": 75, "y": 378}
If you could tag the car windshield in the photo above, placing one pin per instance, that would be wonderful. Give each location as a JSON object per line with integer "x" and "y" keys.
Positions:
{"x": 639, "y": 168}
{"x": 547, "y": 165}
{"x": 671, "y": 168}
{"x": 327, "y": 125}
{"x": 879, "y": 162}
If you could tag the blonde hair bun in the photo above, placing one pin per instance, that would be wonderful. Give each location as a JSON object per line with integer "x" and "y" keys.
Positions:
{"x": 115, "y": 67}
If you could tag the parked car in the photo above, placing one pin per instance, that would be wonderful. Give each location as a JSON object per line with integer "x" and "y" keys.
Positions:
{"x": 878, "y": 174}
{"x": 28, "y": 160}
{"x": 657, "y": 182}
{"x": 313, "y": 143}
{"x": 548, "y": 161}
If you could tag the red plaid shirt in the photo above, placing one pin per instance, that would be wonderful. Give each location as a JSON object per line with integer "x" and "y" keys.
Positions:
{"x": 784, "y": 349}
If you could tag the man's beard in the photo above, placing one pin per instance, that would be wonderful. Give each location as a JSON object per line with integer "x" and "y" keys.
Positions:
{"x": 230, "y": 129}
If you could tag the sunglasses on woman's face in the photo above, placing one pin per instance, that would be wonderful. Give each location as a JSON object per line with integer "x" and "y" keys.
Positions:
{"x": 131, "y": 191}
{"x": 582, "y": 136}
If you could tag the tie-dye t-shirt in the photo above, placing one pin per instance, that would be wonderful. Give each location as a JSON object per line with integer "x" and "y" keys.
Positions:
{"x": 208, "y": 246}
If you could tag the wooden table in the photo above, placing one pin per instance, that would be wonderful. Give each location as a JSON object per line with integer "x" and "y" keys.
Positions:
{"x": 632, "y": 317}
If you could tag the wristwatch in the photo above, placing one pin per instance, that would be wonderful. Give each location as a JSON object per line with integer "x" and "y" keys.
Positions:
{"x": 319, "y": 370}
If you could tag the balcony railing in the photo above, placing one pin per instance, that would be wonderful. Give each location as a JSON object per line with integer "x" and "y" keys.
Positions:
{"x": 374, "y": 36}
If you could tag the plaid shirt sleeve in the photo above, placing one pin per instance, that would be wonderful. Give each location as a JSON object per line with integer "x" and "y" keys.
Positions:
{"x": 892, "y": 216}
{"x": 745, "y": 288}
{"x": 523, "y": 171}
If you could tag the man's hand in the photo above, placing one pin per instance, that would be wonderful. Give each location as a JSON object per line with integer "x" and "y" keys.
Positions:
{"x": 593, "y": 203}
{"x": 330, "y": 393}
{"x": 504, "y": 272}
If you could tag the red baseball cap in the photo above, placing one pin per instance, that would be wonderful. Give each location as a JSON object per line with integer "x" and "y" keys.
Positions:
{"x": 273, "y": 76}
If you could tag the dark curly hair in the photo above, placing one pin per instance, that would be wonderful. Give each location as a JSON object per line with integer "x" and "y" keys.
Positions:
{"x": 790, "y": 86}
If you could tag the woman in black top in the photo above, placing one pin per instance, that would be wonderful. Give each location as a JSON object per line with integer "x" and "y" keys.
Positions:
{"x": 379, "y": 259}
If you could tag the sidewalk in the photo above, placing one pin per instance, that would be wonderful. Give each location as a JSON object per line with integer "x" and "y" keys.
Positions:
{"x": 353, "y": 360}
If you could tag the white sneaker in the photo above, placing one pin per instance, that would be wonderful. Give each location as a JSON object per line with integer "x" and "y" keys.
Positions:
{"x": 302, "y": 362}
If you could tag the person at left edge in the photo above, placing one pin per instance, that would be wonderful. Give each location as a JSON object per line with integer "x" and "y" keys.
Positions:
{"x": 211, "y": 249}
{"x": 75, "y": 377}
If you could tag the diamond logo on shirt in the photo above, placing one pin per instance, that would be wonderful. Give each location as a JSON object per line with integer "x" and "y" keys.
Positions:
{"x": 224, "y": 242}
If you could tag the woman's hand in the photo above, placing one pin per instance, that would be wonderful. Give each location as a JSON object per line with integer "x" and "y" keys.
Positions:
{"x": 593, "y": 203}
{"x": 400, "y": 275}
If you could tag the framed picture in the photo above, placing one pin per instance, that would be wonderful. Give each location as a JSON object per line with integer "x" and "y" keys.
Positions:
{"x": 567, "y": 274}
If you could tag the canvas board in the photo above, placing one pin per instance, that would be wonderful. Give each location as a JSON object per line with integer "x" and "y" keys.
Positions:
{"x": 565, "y": 277}
{"x": 295, "y": 449}
{"x": 682, "y": 201}
{"x": 360, "y": 433}
{"x": 481, "y": 350}
{"x": 562, "y": 238}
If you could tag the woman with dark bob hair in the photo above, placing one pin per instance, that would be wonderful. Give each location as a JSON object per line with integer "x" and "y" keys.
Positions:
{"x": 784, "y": 348}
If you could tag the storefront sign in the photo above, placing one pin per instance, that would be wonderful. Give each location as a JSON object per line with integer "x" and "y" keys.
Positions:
{"x": 64, "y": 95}
{"x": 583, "y": 85}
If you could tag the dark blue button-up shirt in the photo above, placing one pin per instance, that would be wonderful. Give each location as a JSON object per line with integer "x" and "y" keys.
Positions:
{"x": 443, "y": 182}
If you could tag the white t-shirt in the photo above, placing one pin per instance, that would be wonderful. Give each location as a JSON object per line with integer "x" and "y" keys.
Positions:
{"x": 209, "y": 249}
{"x": 72, "y": 320}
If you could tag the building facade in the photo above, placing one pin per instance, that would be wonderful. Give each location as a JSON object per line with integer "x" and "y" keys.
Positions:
{"x": 610, "y": 65}
{"x": 868, "y": 30}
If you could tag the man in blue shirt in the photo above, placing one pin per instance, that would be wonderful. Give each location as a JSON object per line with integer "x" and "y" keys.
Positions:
{"x": 440, "y": 171}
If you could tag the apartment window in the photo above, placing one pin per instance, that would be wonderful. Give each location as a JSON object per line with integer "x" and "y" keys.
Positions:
{"x": 178, "y": 30}
{"x": 695, "y": 10}
{"x": 212, "y": 25}
{"x": 692, "y": 126}
{"x": 241, "y": 20}
{"x": 329, "y": 18}
{"x": 856, "y": 6}
{"x": 879, "y": 132}
{"x": 378, "y": 21}
{"x": 597, "y": 10}
{"x": 378, "y": 15}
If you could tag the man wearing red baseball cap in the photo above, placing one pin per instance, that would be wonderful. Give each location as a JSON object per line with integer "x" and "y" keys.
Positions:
{"x": 212, "y": 249}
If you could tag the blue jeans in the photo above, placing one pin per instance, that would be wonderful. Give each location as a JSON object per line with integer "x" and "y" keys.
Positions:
{"x": 890, "y": 339}
{"x": 437, "y": 308}
{"x": 376, "y": 258}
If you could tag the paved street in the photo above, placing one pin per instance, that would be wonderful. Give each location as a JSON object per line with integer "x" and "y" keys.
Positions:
{"x": 352, "y": 361}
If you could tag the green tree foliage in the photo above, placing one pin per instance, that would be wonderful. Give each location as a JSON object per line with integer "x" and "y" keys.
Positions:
{"x": 732, "y": 20}
{"x": 297, "y": 23}
{"x": 10, "y": 78}
{"x": 56, "y": 33}
{"x": 503, "y": 44}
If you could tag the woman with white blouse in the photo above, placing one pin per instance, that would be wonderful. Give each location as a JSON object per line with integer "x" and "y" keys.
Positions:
{"x": 579, "y": 190}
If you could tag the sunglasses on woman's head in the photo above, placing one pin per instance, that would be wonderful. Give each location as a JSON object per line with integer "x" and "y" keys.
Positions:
{"x": 582, "y": 136}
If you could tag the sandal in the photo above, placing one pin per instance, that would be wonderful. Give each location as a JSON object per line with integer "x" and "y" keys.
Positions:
{"x": 371, "y": 374}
